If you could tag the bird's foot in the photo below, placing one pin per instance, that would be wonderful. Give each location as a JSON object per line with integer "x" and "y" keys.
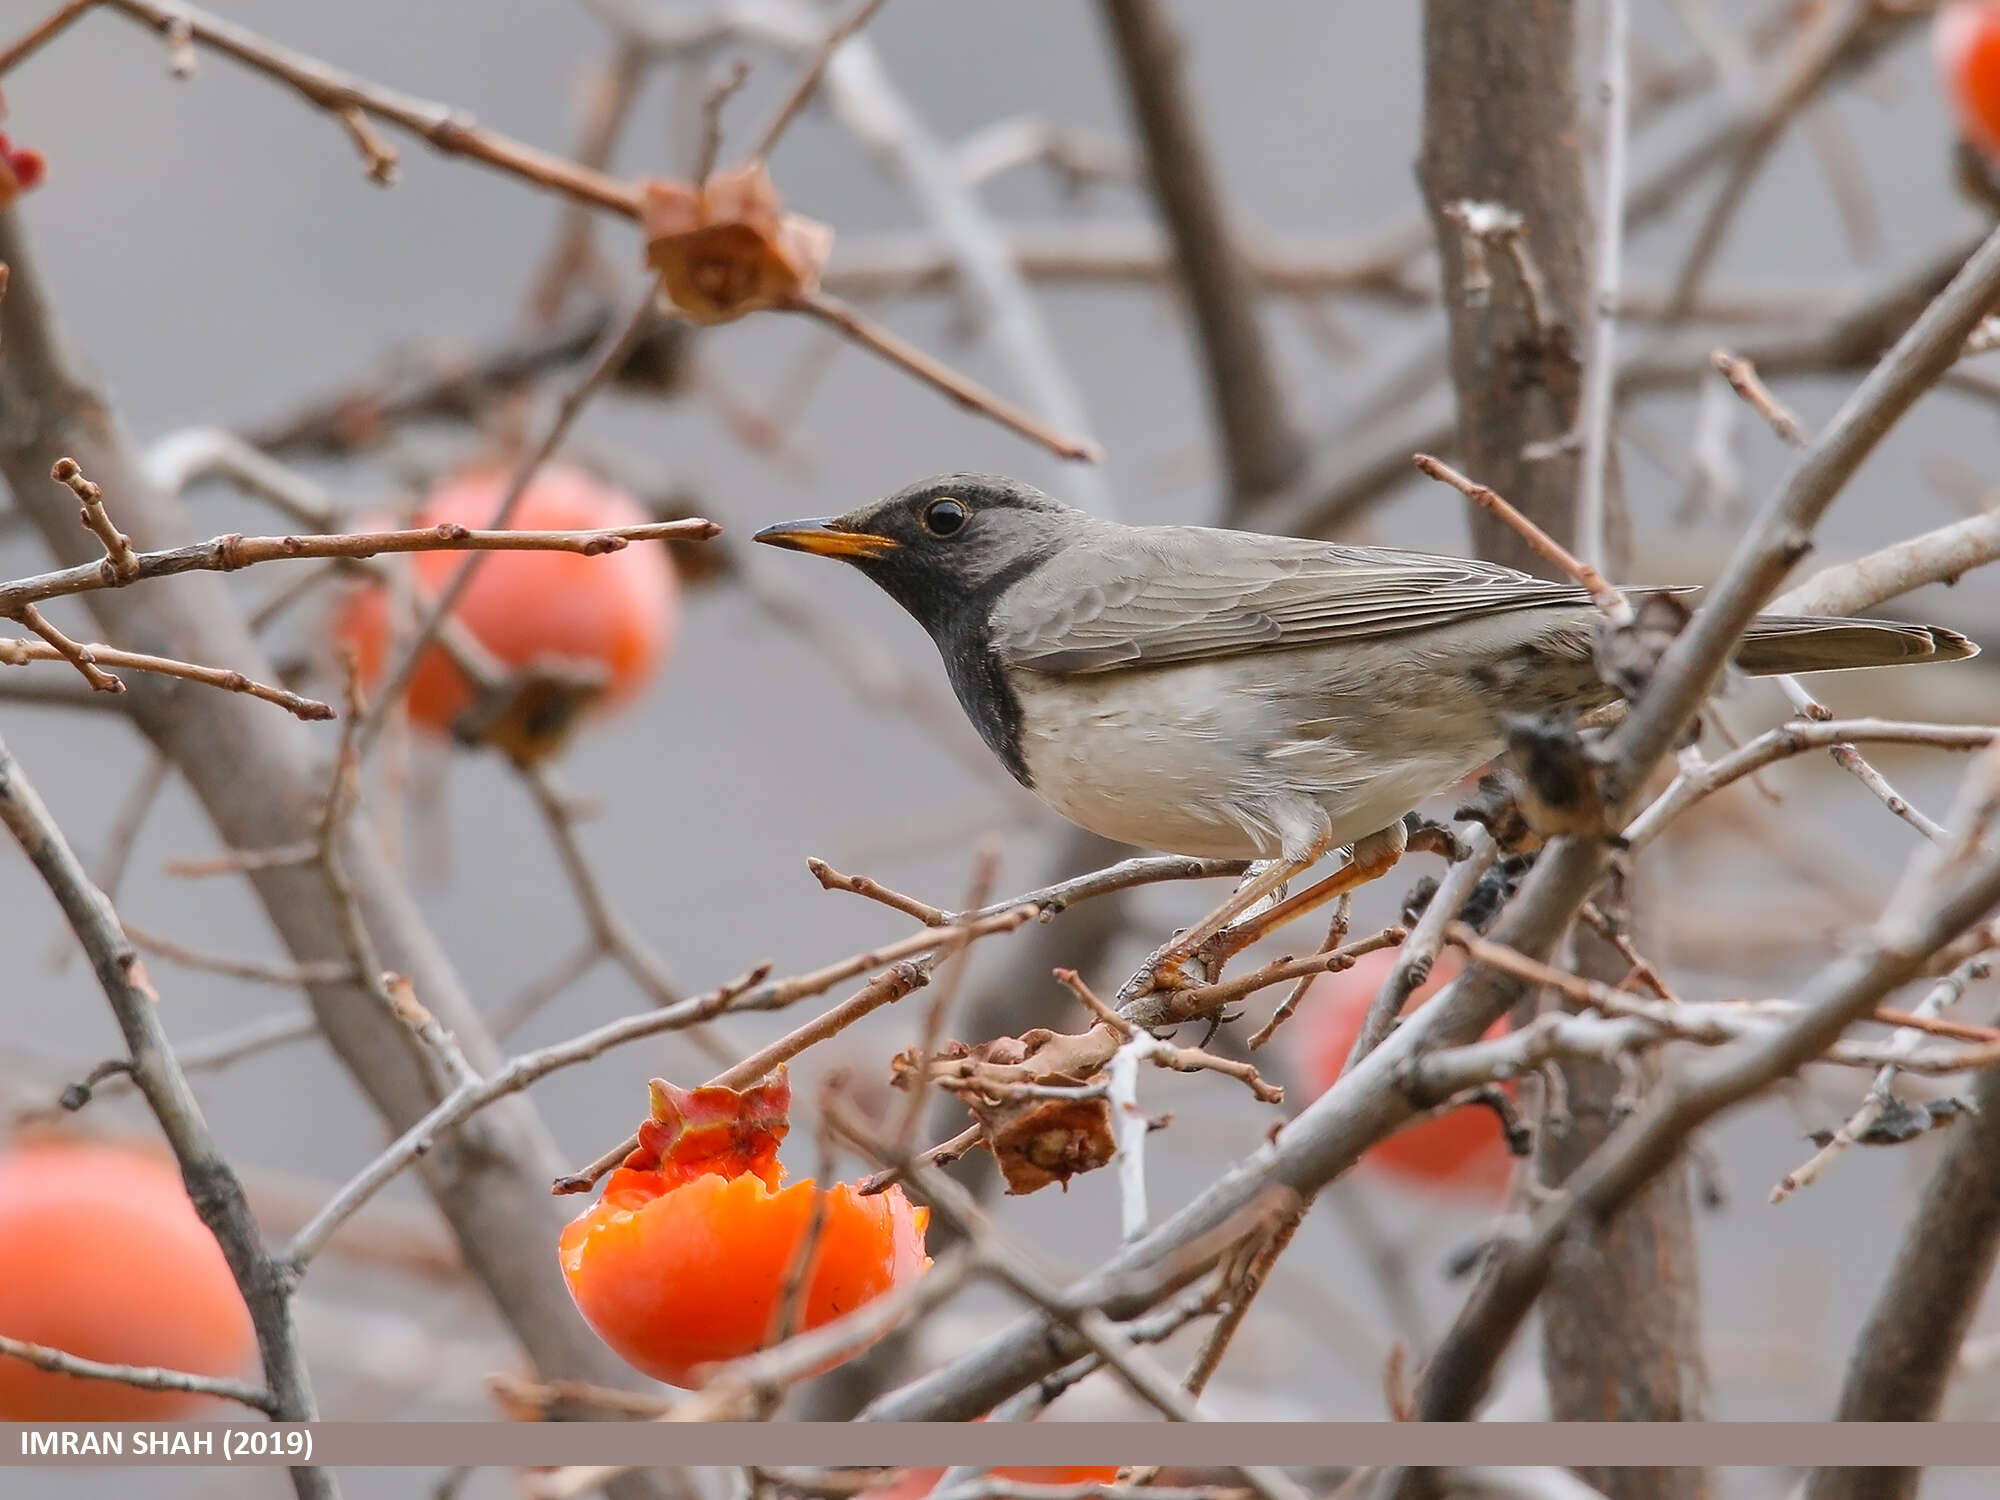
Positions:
{"x": 1370, "y": 859}
{"x": 1427, "y": 836}
{"x": 1167, "y": 970}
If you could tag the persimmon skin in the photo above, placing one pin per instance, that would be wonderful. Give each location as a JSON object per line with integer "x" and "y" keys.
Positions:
{"x": 103, "y": 1256}
{"x": 1463, "y": 1151}
{"x": 1965, "y": 42}
{"x": 673, "y": 1277}
{"x": 618, "y": 610}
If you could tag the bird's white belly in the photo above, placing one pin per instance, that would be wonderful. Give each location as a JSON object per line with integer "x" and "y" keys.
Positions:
{"x": 1206, "y": 759}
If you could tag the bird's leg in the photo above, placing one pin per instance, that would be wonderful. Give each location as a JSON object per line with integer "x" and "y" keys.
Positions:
{"x": 1373, "y": 857}
{"x": 1257, "y": 871}
{"x": 1164, "y": 967}
{"x": 1211, "y": 973}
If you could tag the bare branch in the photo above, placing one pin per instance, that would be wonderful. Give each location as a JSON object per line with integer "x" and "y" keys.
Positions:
{"x": 967, "y": 393}
{"x": 344, "y": 97}
{"x": 43, "y": 32}
{"x": 225, "y": 554}
{"x": 144, "y": 1377}
{"x": 57, "y": 647}
{"x": 217, "y": 1194}
{"x": 809, "y": 78}
{"x": 1933, "y": 906}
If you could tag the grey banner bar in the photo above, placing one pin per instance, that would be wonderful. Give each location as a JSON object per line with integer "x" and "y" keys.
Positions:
{"x": 1633, "y": 1444}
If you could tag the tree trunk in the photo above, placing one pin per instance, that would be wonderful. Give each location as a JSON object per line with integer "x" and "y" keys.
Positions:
{"x": 252, "y": 768}
{"x": 1905, "y": 1357}
{"x": 1502, "y": 126}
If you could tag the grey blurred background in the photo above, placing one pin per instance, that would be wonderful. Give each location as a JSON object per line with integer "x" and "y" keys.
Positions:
{"x": 218, "y": 257}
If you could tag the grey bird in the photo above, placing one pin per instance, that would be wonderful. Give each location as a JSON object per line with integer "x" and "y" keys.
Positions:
{"x": 1236, "y": 695}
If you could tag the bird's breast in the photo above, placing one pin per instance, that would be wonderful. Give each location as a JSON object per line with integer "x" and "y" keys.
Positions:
{"x": 1164, "y": 759}
{"x": 1236, "y": 758}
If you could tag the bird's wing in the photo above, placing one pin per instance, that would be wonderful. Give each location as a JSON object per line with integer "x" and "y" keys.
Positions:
{"x": 1143, "y": 596}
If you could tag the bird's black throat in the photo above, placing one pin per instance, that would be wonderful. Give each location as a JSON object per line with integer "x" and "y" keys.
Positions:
{"x": 958, "y": 616}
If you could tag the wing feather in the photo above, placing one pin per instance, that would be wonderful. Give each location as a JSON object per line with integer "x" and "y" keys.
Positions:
{"x": 1150, "y": 595}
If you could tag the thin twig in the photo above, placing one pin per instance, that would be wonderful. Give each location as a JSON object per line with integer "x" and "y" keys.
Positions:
{"x": 1943, "y": 555}
{"x": 1745, "y": 381}
{"x": 108, "y": 869}
{"x": 143, "y": 1377}
{"x": 117, "y": 546}
{"x": 277, "y": 857}
{"x": 744, "y": 1385}
{"x": 1336, "y": 934}
{"x": 1793, "y": 738}
{"x": 42, "y": 32}
{"x": 966, "y": 392}
{"x": 620, "y": 338}
{"x": 379, "y": 159}
{"x": 565, "y": 972}
{"x": 1243, "y": 1287}
{"x": 1601, "y": 592}
{"x": 606, "y": 114}
{"x": 1420, "y": 949}
{"x": 1946, "y": 993}
{"x": 796, "y": 1287}
{"x": 225, "y": 554}
{"x": 214, "y": 1188}
{"x": 1933, "y": 904}
{"x": 54, "y": 646}
{"x": 756, "y": 994}
{"x": 1201, "y": 999}
{"x": 861, "y": 885}
{"x": 985, "y": 870}
{"x": 809, "y": 78}
{"x": 1850, "y": 760}
{"x": 1831, "y": 38}
{"x": 451, "y": 131}
{"x": 184, "y": 458}
{"x": 711, "y": 119}
{"x": 612, "y": 932}
{"x": 288, "y": 976}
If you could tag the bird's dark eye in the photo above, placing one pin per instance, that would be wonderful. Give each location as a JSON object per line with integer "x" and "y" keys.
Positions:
{"x": 945, "y": 517}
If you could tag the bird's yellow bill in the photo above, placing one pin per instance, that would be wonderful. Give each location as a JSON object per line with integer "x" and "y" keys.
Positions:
{"x": 824, "y": 539}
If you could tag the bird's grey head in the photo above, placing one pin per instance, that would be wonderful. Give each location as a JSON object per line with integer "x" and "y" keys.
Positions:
{"x": 946, "y": 547}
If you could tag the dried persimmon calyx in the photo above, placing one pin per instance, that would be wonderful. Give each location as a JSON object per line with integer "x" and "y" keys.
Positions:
{"x": 726, "y": 247}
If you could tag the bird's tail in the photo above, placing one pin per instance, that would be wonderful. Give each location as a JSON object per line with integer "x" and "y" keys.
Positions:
{"x": 1777, "y": 644}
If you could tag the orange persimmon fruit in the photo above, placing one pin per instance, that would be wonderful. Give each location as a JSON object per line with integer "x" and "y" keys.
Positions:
{"x": 1462, "y": 1151}
{"x": 614, "y": 613}
{"x": 1966, "y": 43}
{"x": 682, "y": 1261}
{"x": 103, "y": 1256}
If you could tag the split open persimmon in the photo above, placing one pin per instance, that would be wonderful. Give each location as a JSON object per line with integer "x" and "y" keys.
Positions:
{"x": 1966, "y": 43}
{"x": 683, "y": 1260}
{"x": 103, "y": 1256}
{"x": 1462, "y": 1150}
{"x": 613, "y": 614}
